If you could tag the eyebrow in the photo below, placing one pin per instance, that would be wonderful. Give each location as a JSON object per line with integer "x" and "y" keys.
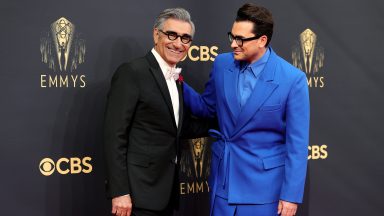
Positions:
{"x": 170, "y": 31}
{"x": 237, "y": 36}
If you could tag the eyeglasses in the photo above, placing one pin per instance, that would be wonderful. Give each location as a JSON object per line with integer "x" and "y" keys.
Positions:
{"x": 240, "y": 41}
{"x": 185, "y": 39}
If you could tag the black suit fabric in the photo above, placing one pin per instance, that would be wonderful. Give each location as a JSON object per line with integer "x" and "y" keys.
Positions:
{"x": 140, "y": 134}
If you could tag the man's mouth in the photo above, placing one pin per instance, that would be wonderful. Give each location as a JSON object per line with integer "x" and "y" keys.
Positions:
{"x": 174, "y": 51}
{"x": 237, "y": 51}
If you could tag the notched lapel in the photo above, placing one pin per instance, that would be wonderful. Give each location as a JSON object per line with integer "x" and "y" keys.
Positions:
{"x": 261, "y": 93}
{"x": 230, "y": 92}
{"x": 264, "y": 87}
{"x": 162, "y": 84}
{"x": 181, "y": 104}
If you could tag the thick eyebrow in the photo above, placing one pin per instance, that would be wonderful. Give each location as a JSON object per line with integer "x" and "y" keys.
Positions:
{"x": 183, "y": 35}
{"x": 186, "y": 35}
{"x": 237, "y": 36}
{"x": 173, "y": 32}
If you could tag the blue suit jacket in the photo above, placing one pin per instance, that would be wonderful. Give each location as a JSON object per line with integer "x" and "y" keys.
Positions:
{"x": 262, "y": 147}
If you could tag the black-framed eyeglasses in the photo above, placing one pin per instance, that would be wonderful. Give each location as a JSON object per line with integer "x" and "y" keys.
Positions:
{"x": 239, "y": 40}
{"x": 185, "y": 38}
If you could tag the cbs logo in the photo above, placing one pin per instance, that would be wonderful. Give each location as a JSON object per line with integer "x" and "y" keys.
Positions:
{"x": 201, "y": 53}
{"x": 64, "y": 166}
{"x": 317, "y": 152}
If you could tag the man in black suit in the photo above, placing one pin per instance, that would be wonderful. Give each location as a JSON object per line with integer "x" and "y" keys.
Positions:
{"x": 144, "y": 120}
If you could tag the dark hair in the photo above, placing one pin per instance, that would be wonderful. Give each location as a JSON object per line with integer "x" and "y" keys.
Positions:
{"x": 261, "y": 18}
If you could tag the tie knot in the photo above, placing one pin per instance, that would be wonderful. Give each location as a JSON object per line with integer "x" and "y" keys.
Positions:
{"x": 173, "y": 72}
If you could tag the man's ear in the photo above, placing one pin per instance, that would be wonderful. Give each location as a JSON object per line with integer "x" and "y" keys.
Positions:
{"x": 155, "y": 35}
{"x": 263, "y": 41}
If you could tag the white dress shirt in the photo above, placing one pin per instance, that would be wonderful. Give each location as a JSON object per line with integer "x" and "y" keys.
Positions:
{"x": 171, "y": 83}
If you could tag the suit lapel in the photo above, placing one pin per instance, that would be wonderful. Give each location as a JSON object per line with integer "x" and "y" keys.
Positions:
{"x": 230, "y": 90}
{"x": 181, "y": 104}
{"x": 263, "y": 89}
{"x": 162, "y": 84}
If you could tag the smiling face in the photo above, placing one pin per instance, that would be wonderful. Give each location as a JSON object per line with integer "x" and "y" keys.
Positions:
{"x": 172, "y": 51}
{"x": 251, "y": 50}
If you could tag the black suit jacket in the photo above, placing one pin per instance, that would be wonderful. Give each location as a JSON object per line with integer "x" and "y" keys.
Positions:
{"x": 140, "y": 134}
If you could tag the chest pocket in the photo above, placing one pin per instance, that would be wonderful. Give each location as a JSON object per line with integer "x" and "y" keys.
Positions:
{"x": 270, "y": 107}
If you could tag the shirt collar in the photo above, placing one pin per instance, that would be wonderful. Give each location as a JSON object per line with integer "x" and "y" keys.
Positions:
{"x": 163, "y": 64}
{"x": 262, "y": 61}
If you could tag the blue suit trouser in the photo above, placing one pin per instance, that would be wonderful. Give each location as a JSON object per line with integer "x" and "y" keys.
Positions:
{"x": 221, "y": 207}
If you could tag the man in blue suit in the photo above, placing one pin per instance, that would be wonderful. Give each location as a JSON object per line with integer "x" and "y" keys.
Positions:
{"x": 259, "y": 160}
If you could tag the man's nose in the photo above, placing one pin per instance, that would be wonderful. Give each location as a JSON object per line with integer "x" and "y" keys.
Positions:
{"x": 178, "y": 42}
{"x": 234, "y": 44}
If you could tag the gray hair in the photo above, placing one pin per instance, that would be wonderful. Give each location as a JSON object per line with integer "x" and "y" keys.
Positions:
{"x": 174, "y": 13}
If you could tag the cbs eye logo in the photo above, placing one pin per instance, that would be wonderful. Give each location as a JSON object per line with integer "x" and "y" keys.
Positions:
{"x": 47, "y": 166}
{"x": 65, "y": 166}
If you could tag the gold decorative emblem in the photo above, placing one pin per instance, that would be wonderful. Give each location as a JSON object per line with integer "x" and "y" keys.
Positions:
{"x": 61, "y": 48}
{"x": 307, "y": 54}
{"x": 196, "y": 160}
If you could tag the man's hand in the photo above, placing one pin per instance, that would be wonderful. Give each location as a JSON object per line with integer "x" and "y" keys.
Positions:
{"x": 286, "y": 208}
{"x": 122, "y": 205}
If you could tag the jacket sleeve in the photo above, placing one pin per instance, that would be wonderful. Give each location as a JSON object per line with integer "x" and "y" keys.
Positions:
{"x": 297, "y": 137}
{"x": 203, "y": 105}
{"x": 121, "y": 103}
{"x": 196, "y": 127}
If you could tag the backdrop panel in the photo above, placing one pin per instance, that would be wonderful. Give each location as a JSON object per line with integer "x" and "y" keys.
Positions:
{"x": 53, "y": 96}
